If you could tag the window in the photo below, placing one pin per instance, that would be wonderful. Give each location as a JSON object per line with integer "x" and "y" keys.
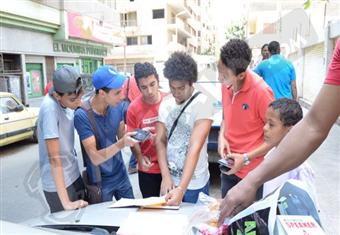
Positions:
{"x": 131, "y": 41}
{"x": 7, "y": 105}
{"x": 158, "y": 14}
{"x": 269, "y": 28}
{"x": 146, "y": 40}
{"x": 128, "y": 19}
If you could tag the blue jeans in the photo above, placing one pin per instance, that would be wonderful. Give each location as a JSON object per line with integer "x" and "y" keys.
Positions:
{"x": 191, "y": 195}
{"x": 124, "y": 190}
{"x": 133, "y": 161}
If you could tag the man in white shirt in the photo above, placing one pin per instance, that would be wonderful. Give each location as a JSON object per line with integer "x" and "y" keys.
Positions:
{"x": 182, "y": 144}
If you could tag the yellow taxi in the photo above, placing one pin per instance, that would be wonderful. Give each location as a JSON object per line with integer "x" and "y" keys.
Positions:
{"x": 17, "y": 122}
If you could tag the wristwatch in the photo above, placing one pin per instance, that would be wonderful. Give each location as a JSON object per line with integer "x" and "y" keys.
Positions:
{"x": 246, "y": 159}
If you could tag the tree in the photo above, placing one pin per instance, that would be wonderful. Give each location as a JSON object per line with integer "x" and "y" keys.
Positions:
{"x": 237, "y": 30}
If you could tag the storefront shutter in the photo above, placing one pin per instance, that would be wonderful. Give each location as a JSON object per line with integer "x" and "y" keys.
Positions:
{"x": 314, "y": 71}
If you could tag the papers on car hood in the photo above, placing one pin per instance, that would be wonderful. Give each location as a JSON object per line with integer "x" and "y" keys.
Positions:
{"x": 150, "y": 202}
{"x": 153, "y": 223}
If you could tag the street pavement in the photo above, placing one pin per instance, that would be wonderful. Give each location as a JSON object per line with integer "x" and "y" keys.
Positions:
{"x": 21, "y": 197}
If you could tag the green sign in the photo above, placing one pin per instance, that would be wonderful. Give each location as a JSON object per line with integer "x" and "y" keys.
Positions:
{"x": 79, "y": 49}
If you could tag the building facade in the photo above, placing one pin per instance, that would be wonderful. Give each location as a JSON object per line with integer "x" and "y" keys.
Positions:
{"x": 307, "y": 37}
{"x": 154, "y": 30}
{"x": 39, "y": 36}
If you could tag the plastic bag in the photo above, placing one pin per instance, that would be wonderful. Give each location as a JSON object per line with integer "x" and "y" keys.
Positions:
{"x": 205, "y": 220}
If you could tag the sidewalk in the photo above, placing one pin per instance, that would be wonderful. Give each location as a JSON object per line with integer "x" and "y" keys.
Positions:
{"x": 326, "y": 164}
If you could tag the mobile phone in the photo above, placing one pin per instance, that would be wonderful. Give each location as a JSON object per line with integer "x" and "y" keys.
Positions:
{"x": 223, "y": 165}
{"x": 141, "y": 135}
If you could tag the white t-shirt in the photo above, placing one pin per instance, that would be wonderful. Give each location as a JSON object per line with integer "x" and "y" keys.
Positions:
{"x": 200, "y": 108}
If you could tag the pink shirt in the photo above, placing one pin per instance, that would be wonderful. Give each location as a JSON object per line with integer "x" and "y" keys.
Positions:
{"x": 333, "y": 75}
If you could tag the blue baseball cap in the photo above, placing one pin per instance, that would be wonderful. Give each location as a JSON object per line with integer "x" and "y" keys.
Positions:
{"x": 107, "y": 76}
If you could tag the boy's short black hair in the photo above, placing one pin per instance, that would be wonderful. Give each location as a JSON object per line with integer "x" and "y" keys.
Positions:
{"x": 180, "y": 66}
{"x": 274, "y": 47}
{"x": 105, "y": 89}
{"x": 264, "y": 45}
{"x": 143, "y": 70}
{"x": 289, "y": 110}
{"x": 236, "y": 55}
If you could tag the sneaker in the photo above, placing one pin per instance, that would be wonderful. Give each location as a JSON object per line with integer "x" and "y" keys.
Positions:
{"x": 132, "y": 170}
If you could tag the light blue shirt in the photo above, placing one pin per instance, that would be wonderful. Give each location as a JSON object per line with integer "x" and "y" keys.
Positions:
{"x": 56, "y": 122}
{"x": 278, "y": 73}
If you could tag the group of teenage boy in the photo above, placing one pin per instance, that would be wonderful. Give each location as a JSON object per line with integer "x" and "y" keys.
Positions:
{"x": 174, "y": 160}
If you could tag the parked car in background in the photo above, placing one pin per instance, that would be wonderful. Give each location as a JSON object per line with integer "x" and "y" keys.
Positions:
{"x": 208, "y": 84}
{"x": 17, "y": 122}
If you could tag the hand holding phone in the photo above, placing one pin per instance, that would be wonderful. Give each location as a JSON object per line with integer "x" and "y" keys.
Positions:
{"x": 224, "y": 165}
{"x": 141, "y": 135}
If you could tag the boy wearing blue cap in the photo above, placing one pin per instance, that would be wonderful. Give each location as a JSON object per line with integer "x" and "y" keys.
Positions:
{"x": 61, "y": 182}
{"x": 104, "y": 143}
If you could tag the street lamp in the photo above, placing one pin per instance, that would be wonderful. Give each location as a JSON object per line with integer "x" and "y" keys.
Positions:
{"x": 176, "y": 16}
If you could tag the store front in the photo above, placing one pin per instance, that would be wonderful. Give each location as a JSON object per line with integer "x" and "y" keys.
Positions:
{"x": 27, "y": 65}
{"x": 11, "y": 73}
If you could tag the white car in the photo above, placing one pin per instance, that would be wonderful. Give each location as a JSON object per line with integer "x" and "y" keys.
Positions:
{"x": 100, "y": 219}
{"x": 17, "y": 122}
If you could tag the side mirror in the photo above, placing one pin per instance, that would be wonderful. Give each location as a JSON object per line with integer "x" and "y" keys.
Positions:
{"x": 19, "y": 108}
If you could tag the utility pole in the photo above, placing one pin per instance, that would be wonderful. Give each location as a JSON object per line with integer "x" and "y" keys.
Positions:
{"x": 125, "y": 41}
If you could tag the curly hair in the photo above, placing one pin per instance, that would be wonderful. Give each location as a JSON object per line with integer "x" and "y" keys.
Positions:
{"x": 180, "y": 66}
{"x": 236, "y": 55}
{"x": 289, "y": 110}
{"x": 143, "y": 70}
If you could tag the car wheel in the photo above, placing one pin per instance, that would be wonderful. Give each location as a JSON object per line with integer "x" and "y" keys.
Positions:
{"x": 35, "y": 135}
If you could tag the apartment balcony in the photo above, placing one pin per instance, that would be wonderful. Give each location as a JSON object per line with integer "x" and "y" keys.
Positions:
{"x": 175, "y": 46}
{"x": 129, "y": 26}
{"x": 193, "y": 41}
{"x": 179, "y": 27}
{"x": 178, "y": 6}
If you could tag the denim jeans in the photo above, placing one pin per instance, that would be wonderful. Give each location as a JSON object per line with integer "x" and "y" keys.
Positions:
{"x": 229, "y": 181}
{"x": 133, "y": 161}
{"x": 191, "y": 195}
{"x": 124, "y": 190}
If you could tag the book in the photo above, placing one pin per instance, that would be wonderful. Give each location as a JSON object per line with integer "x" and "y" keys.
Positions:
{"x": 298, "y": 224}
{"x": 150, "y": 202}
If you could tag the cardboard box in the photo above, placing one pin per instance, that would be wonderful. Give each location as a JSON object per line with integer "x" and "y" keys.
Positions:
{"x": 297, "y": 225}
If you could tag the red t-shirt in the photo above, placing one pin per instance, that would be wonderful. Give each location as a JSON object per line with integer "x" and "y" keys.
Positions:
{"x": 134, "y": 91}
{"x": 139, "y": 115}
{"x": 333, "y": 75}
{"x": 245, "y": 116}
{"x": 47, "y": 88}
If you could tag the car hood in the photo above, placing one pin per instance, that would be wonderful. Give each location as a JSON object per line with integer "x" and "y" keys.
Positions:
{"x": 13, "y": 228}
{"x": 101, "y": 215}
